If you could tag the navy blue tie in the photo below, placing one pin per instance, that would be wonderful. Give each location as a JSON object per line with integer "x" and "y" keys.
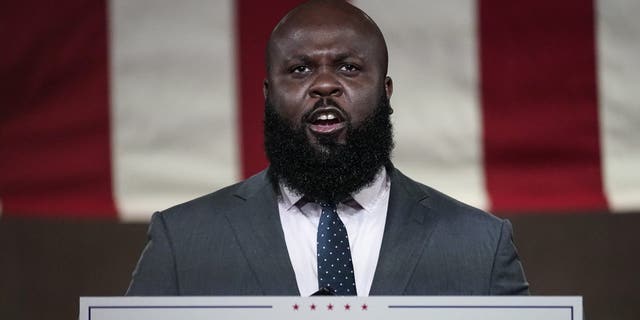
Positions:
{"x": 335, "y": 269}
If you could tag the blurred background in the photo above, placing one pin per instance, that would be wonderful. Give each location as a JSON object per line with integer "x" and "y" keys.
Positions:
{"x": 113, "y": 109}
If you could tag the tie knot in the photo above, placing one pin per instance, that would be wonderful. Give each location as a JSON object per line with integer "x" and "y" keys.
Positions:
{"x": 327, "y": 204}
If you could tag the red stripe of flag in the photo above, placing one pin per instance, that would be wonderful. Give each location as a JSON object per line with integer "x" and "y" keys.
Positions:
{"x": 54, "y": 136}
{"x": 254, "y": 21}
{"x": 539, "y": 102}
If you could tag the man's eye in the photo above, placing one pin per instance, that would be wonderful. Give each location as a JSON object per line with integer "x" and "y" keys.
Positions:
{"x": 349, "y": 67}
{"x": 300, "y": 69}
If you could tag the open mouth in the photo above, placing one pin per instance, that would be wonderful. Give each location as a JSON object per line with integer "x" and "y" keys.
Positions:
{"x": 327, "y": 120}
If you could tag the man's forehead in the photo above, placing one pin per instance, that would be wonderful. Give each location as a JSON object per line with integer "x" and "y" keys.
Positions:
{"x": 324, "y": 13}
{"x": 326, "y": 37}
{"x": 328, "y": 25}
{"x": 319, "y": 31}
{"x": 322, "y": 32}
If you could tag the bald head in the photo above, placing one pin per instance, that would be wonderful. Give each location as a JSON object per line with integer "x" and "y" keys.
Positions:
{"x": 328, "y": 15}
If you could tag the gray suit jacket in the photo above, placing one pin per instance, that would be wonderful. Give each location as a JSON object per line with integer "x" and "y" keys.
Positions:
{"x": 230, "y": 242}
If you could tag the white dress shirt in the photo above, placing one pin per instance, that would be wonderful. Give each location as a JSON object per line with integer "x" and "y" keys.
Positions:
{"x": 364, "y": 216}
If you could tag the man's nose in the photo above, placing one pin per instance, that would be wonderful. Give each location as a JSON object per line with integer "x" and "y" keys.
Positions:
{"x": 325, "y": 85}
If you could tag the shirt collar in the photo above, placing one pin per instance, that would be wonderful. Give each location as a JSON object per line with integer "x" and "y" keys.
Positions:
{"x": 366, "y": 197}
{"x": 289, "y": 197}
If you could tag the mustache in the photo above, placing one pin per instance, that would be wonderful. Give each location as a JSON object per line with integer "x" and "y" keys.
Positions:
{"x": 326, "y": 103}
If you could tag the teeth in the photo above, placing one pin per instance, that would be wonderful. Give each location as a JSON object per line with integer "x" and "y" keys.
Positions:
{"x": 327, "y": 116}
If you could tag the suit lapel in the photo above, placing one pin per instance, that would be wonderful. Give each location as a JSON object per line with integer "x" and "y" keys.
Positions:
{"x": 259, "y": 232}
{"x": 409, "y": 225}
{"x": 256, "y": 223}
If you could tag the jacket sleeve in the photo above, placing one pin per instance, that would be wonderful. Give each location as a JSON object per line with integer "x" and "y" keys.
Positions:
{"x": 155, "y": 274}
{"x": 507, "y": 275}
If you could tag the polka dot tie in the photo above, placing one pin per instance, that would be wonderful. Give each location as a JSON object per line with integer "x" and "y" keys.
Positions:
{"x": 335, "y": 269}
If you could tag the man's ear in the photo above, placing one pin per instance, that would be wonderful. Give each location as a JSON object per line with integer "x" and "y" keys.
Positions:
{"x": 388, "y": 87}
{"x": 265, "y": 87}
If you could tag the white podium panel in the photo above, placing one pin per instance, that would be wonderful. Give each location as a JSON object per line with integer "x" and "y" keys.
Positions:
{"x": 343, "y": 308}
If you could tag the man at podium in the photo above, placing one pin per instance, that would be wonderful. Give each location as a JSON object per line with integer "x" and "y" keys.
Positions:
{"x": 331, "y": 214}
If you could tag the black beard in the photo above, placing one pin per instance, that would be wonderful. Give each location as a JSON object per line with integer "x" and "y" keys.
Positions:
{"x": 332, "y": 171}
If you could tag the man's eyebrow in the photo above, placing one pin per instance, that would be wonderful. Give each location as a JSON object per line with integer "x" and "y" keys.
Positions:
{"x": 341, "y": 56}
{"x": 348, "y": 55}
{"x": 299, "y": 57}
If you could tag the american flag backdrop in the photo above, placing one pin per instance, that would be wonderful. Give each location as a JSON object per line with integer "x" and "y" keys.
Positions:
{"x": 119, "y": 108}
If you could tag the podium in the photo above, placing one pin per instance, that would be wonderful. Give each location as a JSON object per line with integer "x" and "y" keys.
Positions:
{"x": 331, "y": 307}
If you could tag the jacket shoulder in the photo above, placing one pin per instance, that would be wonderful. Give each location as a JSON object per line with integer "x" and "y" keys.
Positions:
{"x": 445, "y": 207}
{"x": 217, "y": 202}
{"x": 470, "y": 251}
